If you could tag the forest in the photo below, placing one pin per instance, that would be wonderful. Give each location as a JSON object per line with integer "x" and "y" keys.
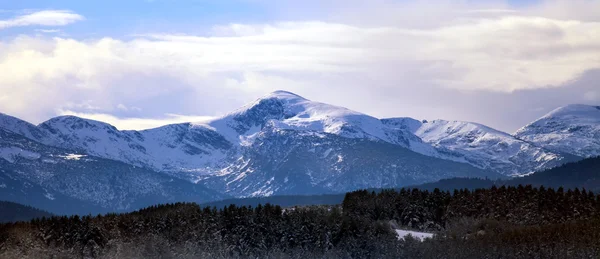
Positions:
{"x": 498, "y": 222}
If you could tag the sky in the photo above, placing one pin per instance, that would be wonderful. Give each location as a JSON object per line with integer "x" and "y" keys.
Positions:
{"x": 144, "y": 63}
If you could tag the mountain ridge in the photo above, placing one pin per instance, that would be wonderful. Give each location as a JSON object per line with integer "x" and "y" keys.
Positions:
{"x": 573, "y": 129}
{"x": 279, "y": 144}
{"x": 219, "y": 138}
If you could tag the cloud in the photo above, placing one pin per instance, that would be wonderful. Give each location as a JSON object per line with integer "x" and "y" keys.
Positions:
{"x": 48, "y": 31}
{"x": 123, "y": 107}
{"x": 42, "y": 18}
{"x": 138, "y": 123}
{"x": 593, "y": 96}
{"x": 582, "y": 10}
{"x": 391, "y": 61}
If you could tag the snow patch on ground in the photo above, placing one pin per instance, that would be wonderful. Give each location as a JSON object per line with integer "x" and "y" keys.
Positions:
{"x": 417, "y": 235}
{"x": 72, "y": 156}
{"x": 49, "y": 196}
{"x": 522, "y": 175}
{"x": 49, "y": 161}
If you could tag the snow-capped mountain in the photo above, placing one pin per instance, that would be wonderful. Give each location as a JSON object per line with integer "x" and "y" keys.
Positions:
{"x": 60, "y": 181}
{"x": 573, "y": 129}
{"x": 287, "y": 111}
{"x": 481, "y": 146}
{"x": 21, "y": 127}
{"x": 200, "y": 149}
{"x": 283, "y": 161}
{"x": 180, "y": 147}
{"x": 279, "y": 144}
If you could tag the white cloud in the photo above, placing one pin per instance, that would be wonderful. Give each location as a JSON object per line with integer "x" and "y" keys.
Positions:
{"x": 138, "y": 123}
{"x": 592, "y": 96}
{"x": 123, "y": 107}
{"x": 583, "y": 10}
{"x": 484, "y": 48}
{"x": 48, "y": 31}
{"x": 43, "y": 18}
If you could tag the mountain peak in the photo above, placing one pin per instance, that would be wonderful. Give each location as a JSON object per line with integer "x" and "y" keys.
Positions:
{"x": 575, "y": 110}
{"x": 281, "y": 94}
{"x": 289, "y": 111}
{"x": 74, "y": 122}
{"x": 274, "y": 101}
{"x": 573, "y": 129}
{"x": 19, "y": 126}
{"x": 8, "y": 119}
{"x": 571, "y": 114}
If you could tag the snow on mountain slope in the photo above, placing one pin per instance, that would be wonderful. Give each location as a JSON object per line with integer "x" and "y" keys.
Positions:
{"x": 186, "y": 147}
{"x": 285, "y": 110}
{"x": 179, "y": 147}
{"x": 573, "y": 129}
{"x": 32, "y": 172}
{"x": 21, "y": 127}
{"x": 198, "y": 149}
{"x": 191, "y": 150}
{"x": 243, "y": 153}
{"x": 283, "y": 161}
{"x": 481, "y": 146}
{"x": 285, "y": 144}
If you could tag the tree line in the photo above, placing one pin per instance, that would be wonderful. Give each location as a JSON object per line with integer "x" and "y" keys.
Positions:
{"x": 499, "y": 222}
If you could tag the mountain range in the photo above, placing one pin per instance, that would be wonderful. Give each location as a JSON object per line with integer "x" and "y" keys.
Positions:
{"x": 280, "y": 144}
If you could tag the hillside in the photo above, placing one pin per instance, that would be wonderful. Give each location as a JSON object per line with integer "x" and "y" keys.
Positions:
{"x": 12, "y": 212}
{"x": 584, "y": 174}
{"x": 581, "y": 174}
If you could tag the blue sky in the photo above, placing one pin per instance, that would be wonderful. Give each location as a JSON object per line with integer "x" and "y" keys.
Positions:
{"x": 142, "y": 63}
{"x": 120, "y": 18}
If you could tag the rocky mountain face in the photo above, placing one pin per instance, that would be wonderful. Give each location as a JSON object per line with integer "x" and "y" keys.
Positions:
{"x": 60, "y": 181}
{"x": 573, "y": 129}
{"x": 304, "y": 162}
{"x": 482, "y": 146}
{"x": 279, "y": 144}
{"x": 179, "y": 147}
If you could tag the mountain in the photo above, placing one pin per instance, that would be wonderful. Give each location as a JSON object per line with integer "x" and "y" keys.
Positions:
{"x": 203, "y": 149}
{"x": 482, "y": 146}
{"x": 288, "y": 111}
{"x": 290, "y": 145}
{"x": 280, "y": 144}
{"x": 12, "y": 212}
{"x": 583, "y": 174}
{"x": 573, "y": 129}
{"x": 59, "y": 181}
{"x": 179, "y": 147}
{"x": 285, "y": 162}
